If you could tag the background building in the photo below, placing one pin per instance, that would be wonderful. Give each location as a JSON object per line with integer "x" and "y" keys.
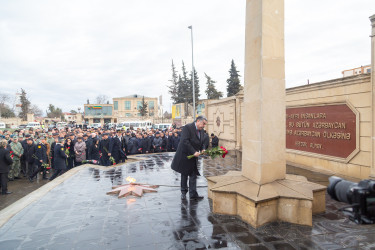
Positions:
{"x": 356, "y": 71}
{"x": 99, "y": 113}
{"x": 128, "y": 107}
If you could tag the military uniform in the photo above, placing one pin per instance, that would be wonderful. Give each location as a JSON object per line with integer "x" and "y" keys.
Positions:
{"x": 40, "y": 158}
{"x": 15, "y": 169}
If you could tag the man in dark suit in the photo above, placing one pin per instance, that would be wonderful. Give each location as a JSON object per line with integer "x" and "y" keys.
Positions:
{"x": 191, "y": 143}
{"x": 59, "y": 158}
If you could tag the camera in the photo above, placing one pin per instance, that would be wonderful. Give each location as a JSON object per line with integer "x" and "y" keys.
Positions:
{"x": 360, "y": 196}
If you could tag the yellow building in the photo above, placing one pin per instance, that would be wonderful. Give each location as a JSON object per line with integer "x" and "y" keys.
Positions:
{"x": 128, "y": 107}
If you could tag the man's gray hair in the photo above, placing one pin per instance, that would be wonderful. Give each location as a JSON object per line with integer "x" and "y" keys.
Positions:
{"x": 201, "y": 118}
{"x": 3, "y": 143}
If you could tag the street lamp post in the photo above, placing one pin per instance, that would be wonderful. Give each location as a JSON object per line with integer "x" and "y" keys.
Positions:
{"x": 192, "y": 71}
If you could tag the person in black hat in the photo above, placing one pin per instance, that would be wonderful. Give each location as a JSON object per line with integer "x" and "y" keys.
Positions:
{"x": 104, "y": 150}
{"x": 41, "y": 158}
{"x": 214, "y": 141}
{"x": 59, "y": 159}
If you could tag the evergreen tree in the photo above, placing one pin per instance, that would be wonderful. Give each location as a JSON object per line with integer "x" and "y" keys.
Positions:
{"x": 233, "y": 81}
{"x": 185, "y": 89}
{"x": 54, "y": 112}
{"x": 196, "y": 87}
{"x": 211, "y": 91}
{"x": 143, "y": 108}
{"x": 173, "y": 88}
{"x": 25, "y": 105}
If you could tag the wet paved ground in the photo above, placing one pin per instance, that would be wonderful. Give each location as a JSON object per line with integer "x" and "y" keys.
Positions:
{"x": 79, "y": 215}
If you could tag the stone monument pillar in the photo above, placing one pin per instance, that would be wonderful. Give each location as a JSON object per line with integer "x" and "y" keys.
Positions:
{"x": 264, "y": 91}
{"x": 372, "y": 19}
{"x": 262, "y": 192}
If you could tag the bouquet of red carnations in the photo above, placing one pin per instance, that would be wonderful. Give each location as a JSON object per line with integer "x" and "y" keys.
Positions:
{"x": 213, "y": 152}
{"x": 112, "y": 160}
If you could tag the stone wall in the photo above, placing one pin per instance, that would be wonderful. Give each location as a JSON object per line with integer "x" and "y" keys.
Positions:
{"x": 224, "y": 120}
{"x": 356, "y": 92}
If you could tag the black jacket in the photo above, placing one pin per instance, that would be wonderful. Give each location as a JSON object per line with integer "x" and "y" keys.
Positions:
{"x": 41, "y": 153}
{"x": 59, "y": 157}
{"x": 175, "y": 142}
{"x": 29, "y": 152}
{"x": 5, "y": 160}
{"x": 93, "y": 152}
{"x": 115, "y": 147}
{"x": 215, "y": 142}
{"x": 133, "y": 145}
{"x": 189, "y": 144}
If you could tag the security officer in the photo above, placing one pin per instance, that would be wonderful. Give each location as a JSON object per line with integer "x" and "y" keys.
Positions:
{"x": 59, "y": 159}
{"x": 41, "y": 158}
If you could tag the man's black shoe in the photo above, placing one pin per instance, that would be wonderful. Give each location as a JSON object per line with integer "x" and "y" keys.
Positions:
{"x": 45, "y": 178}
{"x": 7, "y": 192}
{"x": 183, "y": 196}
{"x": 196, "y": 198}
{"x": 11, "y": 179}
{"x": 17, "y": 178}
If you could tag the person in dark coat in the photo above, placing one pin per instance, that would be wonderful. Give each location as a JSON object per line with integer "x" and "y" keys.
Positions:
{"x": 41, "y": 158}
{"x": 175, "y": 141}
{"x": 164, "y": 142}
{"x": 133, "y": 145}
{"x": 59, "y": 159}
{"x": 29, "y": 159}
{"x": 191, "y": 144}
{"x": 53, "y": 145}
{"x": 94, "y": 150}
{"x": 103, "y": 149}
{"x": 206, "y": 140}
{"x": 69, "y": 146}
{"x": 170, "y": 142}
{"x": 157, "y": 142}
{"x": 145, "y": 144}
{"x": 214, "y": 141}
{"x": 115, "y": 147}
{"x": 5, "y": 163}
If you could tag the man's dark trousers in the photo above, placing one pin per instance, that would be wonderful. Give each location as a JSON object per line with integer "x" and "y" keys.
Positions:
{"x": 192, "y": 184}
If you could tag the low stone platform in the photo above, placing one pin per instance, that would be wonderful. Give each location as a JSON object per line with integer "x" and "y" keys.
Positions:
{"x": 78, "y": 214}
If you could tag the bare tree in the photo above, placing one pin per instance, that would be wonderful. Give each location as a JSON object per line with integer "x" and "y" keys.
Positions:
{"x": 101, "y": 99}
{"x": 36, "y": 110}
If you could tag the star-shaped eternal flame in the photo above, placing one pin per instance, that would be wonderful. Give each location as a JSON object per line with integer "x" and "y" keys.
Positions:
{"x": 135, "y": 189}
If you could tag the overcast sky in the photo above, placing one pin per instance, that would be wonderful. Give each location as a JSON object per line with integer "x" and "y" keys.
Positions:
{"x": 65, "y": 52}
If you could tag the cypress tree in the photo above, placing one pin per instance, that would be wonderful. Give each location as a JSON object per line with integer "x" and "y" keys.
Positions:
{"x": 211, "y": 91}
{"x": 233, "y": 86}
{"x": 25, "y": 105}
{"x": 173, "y": 88}
{"x": 196, "y": 87}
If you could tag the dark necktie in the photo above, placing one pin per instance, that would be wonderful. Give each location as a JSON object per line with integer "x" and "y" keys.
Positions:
{"x": 198, "y": 134}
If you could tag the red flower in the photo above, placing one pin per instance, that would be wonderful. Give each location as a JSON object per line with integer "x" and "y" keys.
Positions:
{"x": 223, "y": 155}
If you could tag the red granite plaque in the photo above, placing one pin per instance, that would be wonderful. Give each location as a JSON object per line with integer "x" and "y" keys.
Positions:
{"x": 328, "y": 130}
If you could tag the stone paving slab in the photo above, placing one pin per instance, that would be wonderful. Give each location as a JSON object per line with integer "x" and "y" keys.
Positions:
{"x": 78, "y": 214}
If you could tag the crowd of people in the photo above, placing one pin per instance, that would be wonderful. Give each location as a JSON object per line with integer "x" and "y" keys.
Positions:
{"x": 34, "y": 151}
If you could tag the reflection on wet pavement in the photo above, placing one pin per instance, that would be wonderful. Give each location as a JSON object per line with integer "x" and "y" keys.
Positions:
{"x": 79, "y": 215}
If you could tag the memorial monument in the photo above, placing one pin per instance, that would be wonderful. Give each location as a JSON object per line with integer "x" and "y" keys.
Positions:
{"x": 262, "y": 192}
